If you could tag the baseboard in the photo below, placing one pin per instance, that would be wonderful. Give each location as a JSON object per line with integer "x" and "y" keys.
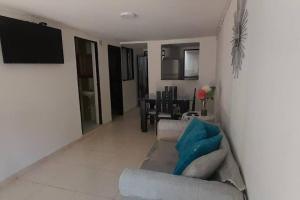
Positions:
{"x": 21, "y": 172}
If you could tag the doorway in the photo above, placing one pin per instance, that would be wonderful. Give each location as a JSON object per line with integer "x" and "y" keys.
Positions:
{"x": 141, "y": 66}
{"x": 115, "y": 77}
{"x": 88, "y": 83}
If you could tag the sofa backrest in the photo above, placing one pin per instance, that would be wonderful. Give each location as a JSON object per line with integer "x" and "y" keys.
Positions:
{"x": 229, "y": 170}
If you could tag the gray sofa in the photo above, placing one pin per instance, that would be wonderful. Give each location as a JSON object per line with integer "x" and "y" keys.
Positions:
{"x": 154, "y": 181}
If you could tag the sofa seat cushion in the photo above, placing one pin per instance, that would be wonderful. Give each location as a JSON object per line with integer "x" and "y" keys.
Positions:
{"x": 162, "y": 157}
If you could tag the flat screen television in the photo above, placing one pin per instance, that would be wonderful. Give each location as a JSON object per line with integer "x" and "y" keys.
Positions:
{"x": 26, "y": 42}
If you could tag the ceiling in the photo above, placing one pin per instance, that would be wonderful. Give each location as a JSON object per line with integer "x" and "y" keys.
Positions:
{"x": 157, "y": 19}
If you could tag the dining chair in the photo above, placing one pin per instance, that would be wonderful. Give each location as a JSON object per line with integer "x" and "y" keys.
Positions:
{"x": 175, "y": 92}
{"x": 152, "y": 109}
{"x": 166, "y": 108}
{"x": 170, "y": 102}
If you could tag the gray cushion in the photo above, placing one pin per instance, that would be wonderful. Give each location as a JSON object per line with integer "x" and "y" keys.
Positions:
{"x": 206, "y": 165}
{"x": 163, "y": 157}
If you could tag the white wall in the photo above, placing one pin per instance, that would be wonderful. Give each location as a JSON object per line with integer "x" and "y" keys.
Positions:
{"x": 207, "y": 67}
{"x": 39, "y": 103}
{"x": 129, "y": 95}
{"x": 104, "y": 81}
{"x": 260, "y": 110}
{"x": 130, "y": 90}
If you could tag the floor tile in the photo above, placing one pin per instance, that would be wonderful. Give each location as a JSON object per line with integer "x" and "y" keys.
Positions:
{"x": 18, "y": 190}
{"x": 80, "y": 196}
{"x": 88, "y": 169}
{"x": 52, "y": 193}
{"x": 102, "y": 183}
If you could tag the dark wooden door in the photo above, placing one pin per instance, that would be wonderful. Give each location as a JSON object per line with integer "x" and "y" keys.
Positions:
{"x": 115, "y": 76}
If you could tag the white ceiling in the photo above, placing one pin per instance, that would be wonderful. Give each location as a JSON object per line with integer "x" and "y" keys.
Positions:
{"x": 157, "y": 19}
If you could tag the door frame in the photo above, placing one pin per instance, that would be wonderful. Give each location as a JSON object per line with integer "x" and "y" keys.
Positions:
{"x": 97, "y": 79}
{"x": 138, "y": 77}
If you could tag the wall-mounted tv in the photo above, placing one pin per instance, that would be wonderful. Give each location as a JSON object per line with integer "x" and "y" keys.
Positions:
{"x": 26, "y": 42}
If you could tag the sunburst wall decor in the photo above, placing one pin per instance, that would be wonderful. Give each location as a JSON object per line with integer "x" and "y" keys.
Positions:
{"x": 239, "y": 37}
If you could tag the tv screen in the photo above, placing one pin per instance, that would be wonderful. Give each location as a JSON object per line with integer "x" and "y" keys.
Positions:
{"x": 26, "y": 42}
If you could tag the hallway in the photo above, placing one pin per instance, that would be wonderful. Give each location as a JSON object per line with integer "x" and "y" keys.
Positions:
{"x": 87, "y": 169}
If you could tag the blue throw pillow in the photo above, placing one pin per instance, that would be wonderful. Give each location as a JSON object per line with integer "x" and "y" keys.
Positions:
{"x": 212, "y": 130}
{"x": 189, "y": 129}
{"x": 196, "y": 134}
{"x": 197, "y": 150}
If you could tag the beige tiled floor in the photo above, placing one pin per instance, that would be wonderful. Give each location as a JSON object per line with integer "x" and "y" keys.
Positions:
{"x": 88, "y": 169}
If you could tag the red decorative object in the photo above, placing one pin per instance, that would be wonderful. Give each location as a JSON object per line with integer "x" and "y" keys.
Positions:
{"x": 201, "y": 94}
{"x": 204, "y": 94}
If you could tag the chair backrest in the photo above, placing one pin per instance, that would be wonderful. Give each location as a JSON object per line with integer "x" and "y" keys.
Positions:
{"x": 175, "y": 92}
{"x": 170, "y": 101}
{"x": 194, "y": 100}
{"x": 167, "y": 89}
{"x": 158, "y": 102}
{"x": 164, "y": 102}
{"x": 170, "y": 93}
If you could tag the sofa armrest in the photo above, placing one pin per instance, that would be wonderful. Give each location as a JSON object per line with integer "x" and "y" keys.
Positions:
{"x": 170, "y": 129}
{"x": 157, "y": 186}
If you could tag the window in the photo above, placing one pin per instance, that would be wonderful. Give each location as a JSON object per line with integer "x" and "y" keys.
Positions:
{"x": 180, "y": 61}
{"x": 191, "y": 64}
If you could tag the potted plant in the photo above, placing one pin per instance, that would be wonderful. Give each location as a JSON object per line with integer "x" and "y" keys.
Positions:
{"x": 205, "y": 94}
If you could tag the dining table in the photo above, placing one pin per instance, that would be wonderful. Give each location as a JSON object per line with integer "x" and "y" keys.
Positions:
{"x": 182, "y": 103}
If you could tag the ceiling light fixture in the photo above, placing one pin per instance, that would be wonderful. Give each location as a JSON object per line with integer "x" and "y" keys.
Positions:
{"x": 128, "y": 15}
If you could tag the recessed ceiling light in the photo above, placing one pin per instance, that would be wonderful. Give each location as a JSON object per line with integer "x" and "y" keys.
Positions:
{"x": 128, "y": 15}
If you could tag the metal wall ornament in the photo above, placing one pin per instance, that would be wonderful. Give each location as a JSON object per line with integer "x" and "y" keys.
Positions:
{"x": 239, "y": 37}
